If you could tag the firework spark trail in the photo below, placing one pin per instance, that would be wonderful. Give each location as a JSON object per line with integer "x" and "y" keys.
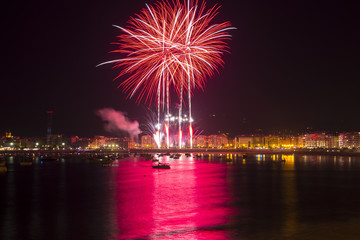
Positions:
{"x": 167, "y": 134}
{"x": 166, "y": 43}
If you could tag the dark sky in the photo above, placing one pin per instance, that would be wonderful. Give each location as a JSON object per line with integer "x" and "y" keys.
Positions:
{"x": 293, "y": 64}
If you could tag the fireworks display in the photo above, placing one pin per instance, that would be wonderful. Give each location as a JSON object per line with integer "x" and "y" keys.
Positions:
{"x": 170, "y": 45}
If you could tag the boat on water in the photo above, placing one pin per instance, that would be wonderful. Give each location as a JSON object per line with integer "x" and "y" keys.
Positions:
{"x": 155, "y": 160}
{"x": 161, "y": 166}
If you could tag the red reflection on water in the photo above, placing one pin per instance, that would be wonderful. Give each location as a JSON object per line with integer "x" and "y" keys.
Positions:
{"x": 131, "y": 209}
{"x": 188, "y": 201}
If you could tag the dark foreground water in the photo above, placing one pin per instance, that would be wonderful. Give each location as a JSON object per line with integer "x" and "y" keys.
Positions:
{"x": 260, "y": 197}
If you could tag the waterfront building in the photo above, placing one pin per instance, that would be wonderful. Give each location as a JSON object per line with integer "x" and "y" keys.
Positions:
{"x": 243, "y": 141}
{"x": 81, "y": 143}
{"x": 218, "y": 141}
{"x": 349, "y": 140}
{"x": 272, "y": 141}
{"x": 111, "y": 143}
{"x": 201, "y": 141}
{"x": 258, "y": 142}
{"x": 132, "y": 142}
{"x": 31, "y": 143}
{"x": 147, "y": 141}
{"x": 320, "y": 140}
{"x": 97, "y": 142}
{"x": 300, "y": 141}
{"x": 287, "y": 141}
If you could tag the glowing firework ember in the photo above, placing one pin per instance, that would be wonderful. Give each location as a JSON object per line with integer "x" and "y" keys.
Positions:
{"x": 170, "y": 45}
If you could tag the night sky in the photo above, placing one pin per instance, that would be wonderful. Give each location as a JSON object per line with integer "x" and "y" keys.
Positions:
{"x": 293, "y": 65}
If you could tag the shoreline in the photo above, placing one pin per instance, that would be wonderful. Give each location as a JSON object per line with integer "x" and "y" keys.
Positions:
{"x": 335, "y": 152}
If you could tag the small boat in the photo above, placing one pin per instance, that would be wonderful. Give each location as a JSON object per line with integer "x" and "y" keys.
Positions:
{"x": 155, "y": 160}
{"x": 161, "y": 166}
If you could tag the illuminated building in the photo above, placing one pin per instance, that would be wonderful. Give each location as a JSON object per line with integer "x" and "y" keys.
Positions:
{"x": 258, "y": 142}
{"x": 55, "y": 141}
{"x": 243, "y": 141}
{"x": 97, "y": 142}
{"x": 301, "y": 141}
{"x": 287, "y": 141}
{"x": 31, "y": 142}
{"x": 218, "y": 141}
{"x": 81, "y": 143}
{"x": 147, "y": 141}
{"x": 349, "y": 140}
{"x": 272, "y": 141}
{"x": 201, "y": 141}
{"x": 320, "y": 140}
{"x": 132, "y": 143}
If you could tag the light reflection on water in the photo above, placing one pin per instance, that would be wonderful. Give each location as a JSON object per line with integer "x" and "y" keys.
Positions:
{"x": 211, "y": 197}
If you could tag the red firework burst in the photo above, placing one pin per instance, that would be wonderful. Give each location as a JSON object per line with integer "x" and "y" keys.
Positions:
{"x": 170, "y": 44}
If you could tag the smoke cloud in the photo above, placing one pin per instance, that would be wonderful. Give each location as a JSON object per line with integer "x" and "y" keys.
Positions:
{"x": 118, "y": 121}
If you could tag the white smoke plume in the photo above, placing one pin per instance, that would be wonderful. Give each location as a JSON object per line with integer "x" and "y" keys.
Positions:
{"x": 118, "y": 121}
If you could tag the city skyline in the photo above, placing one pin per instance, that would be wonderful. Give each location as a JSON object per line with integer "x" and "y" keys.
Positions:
{"x": 292, "y": 66}
{"x": 310, "y": 140}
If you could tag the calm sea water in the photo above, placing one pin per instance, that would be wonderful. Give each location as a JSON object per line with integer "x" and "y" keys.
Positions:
{"x": 213, "y": 197}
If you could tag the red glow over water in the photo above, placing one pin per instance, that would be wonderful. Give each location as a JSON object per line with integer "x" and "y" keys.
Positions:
{"x": 179, "y": 203}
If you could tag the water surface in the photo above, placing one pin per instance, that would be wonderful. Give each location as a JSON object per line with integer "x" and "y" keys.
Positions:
{"x": 211, "y": 197}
